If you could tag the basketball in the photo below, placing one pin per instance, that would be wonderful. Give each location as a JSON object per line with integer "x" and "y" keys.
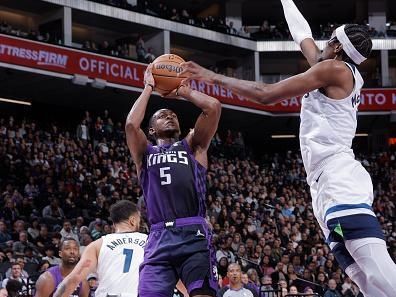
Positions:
{"x": 165, "y": 70}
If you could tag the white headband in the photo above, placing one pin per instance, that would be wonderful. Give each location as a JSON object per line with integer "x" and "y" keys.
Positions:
{"x": 348, "y": 47}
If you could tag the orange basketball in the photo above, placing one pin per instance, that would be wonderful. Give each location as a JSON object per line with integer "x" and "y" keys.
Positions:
{"x": 165, "y": 70}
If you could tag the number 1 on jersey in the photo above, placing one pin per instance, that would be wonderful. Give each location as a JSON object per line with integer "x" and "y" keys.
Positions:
{"x": 128, "y": 259}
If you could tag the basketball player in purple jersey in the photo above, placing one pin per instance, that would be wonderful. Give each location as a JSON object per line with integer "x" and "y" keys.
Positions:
{"x": 69, "y": 252}
{"x": 172, "y": 175}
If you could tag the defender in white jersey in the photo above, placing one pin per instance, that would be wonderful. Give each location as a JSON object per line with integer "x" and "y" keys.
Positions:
{"x": 115, "y": 257}
{"x": 341, "y": 189}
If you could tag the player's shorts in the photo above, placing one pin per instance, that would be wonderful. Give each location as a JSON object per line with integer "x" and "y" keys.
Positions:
{"x": 342, "y": 196}
{"x": 179, "y": 249}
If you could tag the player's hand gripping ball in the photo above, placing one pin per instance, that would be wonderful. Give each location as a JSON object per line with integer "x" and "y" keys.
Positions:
{"x": 165, "y": 72}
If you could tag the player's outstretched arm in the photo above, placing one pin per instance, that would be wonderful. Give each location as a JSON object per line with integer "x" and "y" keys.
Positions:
{"x": 300, "y": 31}
{"x": 87, "y": 264}
{"x": 136, "y": 139}
{"x": 321, "y": 75}
{"x": 206, "y": 124}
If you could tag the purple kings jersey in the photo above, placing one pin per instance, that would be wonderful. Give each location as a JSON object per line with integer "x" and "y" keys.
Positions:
{"x": 173, "y": 182}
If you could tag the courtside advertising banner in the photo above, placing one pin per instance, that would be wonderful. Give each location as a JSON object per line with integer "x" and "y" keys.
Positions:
{"x": 64, "y": 60}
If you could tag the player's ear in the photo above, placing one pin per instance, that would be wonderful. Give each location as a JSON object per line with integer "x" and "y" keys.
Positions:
{"x": 132, "y": 220}
{"x": 151, "y": 131}
{"x": 338, "y": 49}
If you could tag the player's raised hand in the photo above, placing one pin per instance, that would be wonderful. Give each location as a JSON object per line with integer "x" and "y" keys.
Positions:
{"x": 194, "y": 71}
{"x": 148, "y": 77}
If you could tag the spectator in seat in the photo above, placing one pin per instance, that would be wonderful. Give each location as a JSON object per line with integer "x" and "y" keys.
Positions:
{"x": 253, "y": 277}
{"x": 19, "y": 246}
{"x": 43, "y": 266}
{"x": 67, "y": 231}
{"x": 5, "y": 236}
{"x": 231, "y": 29}
{"x": 21, "y": 262}
{"x": 34, "y": 229}
{"x": 245, "y": 278}
{"x": 30, "y": 257}
{"x": 244, "y": 32}
{"x": 222, "y": 269}
{"x": 293, "y": 290}
{"x": 140, "y": 50}
{"x": 16, "y": 274}
{"x": 83, "y": 131}
{"x": 266, "y": 286}
{"x": 175, "y": 15}
{"x": 50, "y": 256}
{"x": 149, "y": 56}
{"x": 224, "y": 251}
{"x": 43, "y": 239}
{"x": 52, "y": 213}
{"x": 332, "y": 290}
{"x": 278, "y": 274}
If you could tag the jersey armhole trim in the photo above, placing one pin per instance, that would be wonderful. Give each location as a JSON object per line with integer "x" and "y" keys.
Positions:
{"x": 350, "y": 94}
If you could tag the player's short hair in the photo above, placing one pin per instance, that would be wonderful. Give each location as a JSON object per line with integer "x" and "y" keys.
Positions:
{"x": 359, "y": 36}
{"x": 62, "y": 243}
{"x": 153, "y": 118}
{"x": 122, "y": 210}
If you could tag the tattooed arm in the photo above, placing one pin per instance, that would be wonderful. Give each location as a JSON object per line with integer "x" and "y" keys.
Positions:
{"x": 60, "y": 290}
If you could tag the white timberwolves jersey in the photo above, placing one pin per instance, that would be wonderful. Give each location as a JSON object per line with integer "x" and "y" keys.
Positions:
{"x": 328, "y": 127}
{"x": 118, "y": 264}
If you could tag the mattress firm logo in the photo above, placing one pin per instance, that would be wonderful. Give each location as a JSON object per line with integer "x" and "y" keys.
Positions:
{"x": 41, "y": 57}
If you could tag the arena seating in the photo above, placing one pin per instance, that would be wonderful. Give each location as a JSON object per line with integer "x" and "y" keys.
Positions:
{"x": 260, "y": 210}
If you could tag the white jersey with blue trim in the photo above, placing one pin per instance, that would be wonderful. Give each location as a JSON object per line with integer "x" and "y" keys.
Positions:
{"x": 118, "y": 264}
{"x": 339, "y": 184}
{"x": 328, "y": 127}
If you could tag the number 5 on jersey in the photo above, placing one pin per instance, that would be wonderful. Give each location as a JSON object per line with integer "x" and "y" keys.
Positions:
{"x": 165, "y": 176}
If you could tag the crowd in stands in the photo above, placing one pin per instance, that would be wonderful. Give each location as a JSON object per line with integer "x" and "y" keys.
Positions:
{"x": 265, "y": 31}
{"x": 138, "y": 52}
{"x": 6, "y": 28}
{"x": 56, "y": 183}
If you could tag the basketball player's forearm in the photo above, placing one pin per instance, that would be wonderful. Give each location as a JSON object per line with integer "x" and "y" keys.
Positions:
{"x": 253, "y": 91}
{"x": 136, "y": 115}
{"x": 206, "y": 103}
{"x": 61, "y": 290}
